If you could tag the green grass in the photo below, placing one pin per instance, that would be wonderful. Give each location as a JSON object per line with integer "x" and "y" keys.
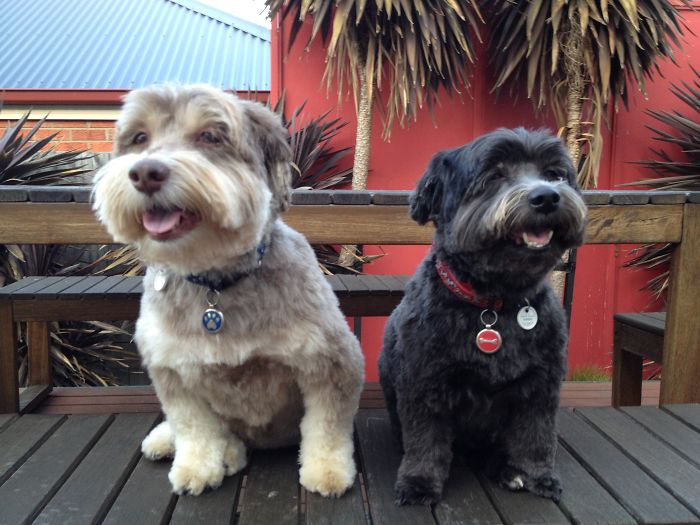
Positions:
{"x": 588, "y": 373}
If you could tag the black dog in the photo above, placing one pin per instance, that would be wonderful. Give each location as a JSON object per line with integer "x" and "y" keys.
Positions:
{"x": 474, "y": 356}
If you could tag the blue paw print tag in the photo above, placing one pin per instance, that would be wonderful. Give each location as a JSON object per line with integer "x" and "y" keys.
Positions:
{"x": 212, "y": 320}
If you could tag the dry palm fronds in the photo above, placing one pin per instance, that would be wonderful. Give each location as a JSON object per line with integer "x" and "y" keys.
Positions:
{"x": 580, "y": 56}
{"x": 674, "y": 174}
{"x": 414, "y": 47}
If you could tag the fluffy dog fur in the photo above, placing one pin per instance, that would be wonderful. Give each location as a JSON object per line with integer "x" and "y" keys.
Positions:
{"x": 285, "y": 364}
{"x": 442, "y": 392}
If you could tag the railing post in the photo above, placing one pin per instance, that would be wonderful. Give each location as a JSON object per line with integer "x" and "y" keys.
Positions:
{"x": 9, "y": 387}
{"x": 681, "y": 357}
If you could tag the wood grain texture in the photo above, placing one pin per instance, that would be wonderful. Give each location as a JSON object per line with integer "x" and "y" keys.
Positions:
{"x": 585, "y": 500}
{"x": 622, "y": 477}
{"x": 380, "y": 462}
{"x": 670, "y": 430}
{"x": 24, "y": 495}
{"x": 9, "y": 386}
{"x": 681, "y": 358}
{"x": 91, "y": 489}
{"x": 464, "y": 496}
{"x": 21, "y": 438}
{"x": 32, "y": 396}
{"x": 668, "y": 468}
{"x": 74, "y": 223}
{"x": 38, "y": 353}
{"x": 216, "y": 506}
{"x": 272, "y": 488}
{"x": 634, "y": 224}
{"x": 146, "y": 497}
{"x": 688, "y": 413}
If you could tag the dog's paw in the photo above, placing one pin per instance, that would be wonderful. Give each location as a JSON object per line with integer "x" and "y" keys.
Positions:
{"x": 235, "y": 458}
{"x": 511, "y": 478}
{"x": 328, "y": 476}
{"x": 195, "y": 476}
{"x": 546, "y": 486}
{"x": 159, "y": 443}
{"x": 416, "y": 490}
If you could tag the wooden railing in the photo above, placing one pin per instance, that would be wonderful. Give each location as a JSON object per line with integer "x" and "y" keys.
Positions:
{"x": 34, "y": 215}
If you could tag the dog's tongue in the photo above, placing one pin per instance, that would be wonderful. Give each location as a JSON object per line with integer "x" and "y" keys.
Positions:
{"x": 161, "y": 221}
{"x": 539, "y": 238}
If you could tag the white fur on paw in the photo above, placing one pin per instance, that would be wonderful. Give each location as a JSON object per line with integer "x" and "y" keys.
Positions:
{"x": 159, "y": 443}
{"x": 516, "y": 483}
{"x": 193, "y": 477}
{"x": 235, "y": 458}
{"x": 328, "y": 476}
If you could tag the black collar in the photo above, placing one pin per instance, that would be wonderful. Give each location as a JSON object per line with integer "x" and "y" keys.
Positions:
{"x": 218, "y": 281}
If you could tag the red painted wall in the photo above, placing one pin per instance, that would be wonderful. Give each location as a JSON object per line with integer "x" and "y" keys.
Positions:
{"x": 602, "y": 287}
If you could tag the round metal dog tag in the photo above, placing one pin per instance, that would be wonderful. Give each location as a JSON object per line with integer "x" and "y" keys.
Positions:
{"x": 160, "y": 280}
{"x": 212, "y": 320}
{"x": 527, "y": 317}
{"x": 488, "y": 340}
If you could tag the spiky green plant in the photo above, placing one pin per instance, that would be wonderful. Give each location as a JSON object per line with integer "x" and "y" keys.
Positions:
{"x": 675, "y": 172}
{"x": 25, "y": 160}
{"x": 578, "y": 57}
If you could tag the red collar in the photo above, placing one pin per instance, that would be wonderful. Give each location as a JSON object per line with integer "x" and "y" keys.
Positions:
{"x": 464, "y": 290}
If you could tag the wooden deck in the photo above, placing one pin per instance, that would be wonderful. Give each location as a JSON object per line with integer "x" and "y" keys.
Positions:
{"x": 635, "y": 465}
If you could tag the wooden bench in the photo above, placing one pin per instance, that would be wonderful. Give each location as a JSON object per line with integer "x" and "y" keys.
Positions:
{"x": 62, "y": 215}
{"x": 638, "y": 336}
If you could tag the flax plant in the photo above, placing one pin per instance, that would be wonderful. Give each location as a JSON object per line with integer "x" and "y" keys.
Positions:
{"x": 674, "y": 173}
{"x": 580, "y": 58}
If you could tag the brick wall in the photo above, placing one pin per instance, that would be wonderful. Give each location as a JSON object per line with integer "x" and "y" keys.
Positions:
{"x": 93, "y": 136}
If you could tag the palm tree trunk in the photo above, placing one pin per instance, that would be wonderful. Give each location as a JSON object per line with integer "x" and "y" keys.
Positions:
{"x": 360, "y": 165}
{"x": 575, "y": 82}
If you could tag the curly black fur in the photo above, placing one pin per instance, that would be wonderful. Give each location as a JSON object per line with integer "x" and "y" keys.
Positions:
{"x": 443, "y": 394}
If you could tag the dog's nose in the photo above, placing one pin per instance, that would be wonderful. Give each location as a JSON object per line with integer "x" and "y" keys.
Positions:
{"x": 148, "y": 175}
{"x": 544, "y": 199}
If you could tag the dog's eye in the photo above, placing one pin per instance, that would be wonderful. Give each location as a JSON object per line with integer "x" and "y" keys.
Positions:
{"x": 554, "y": 176}
{"x": 139, "y": 138}
{"x": 207, "y": 137}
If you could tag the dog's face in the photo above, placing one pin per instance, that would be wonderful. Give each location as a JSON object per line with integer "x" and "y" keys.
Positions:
{"x": 507, "y": 200}
{"x": 197, "y": 176}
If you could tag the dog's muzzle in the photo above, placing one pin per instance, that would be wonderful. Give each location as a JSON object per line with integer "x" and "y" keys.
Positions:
{"x": 149, "y": 175}
{"x": 544, "y": 199}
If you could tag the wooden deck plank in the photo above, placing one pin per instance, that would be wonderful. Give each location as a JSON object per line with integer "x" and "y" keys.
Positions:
{"x": 524, "y": 507}
{"x": 464, "y": 496}
{"x": 5, "y": 420}
{"x": 584, "y": 500}
{"x": 661, "y": 462}
{"x": 146, "y": 498}
{"x": 92, "y": 488}
{"x": 24, "y": 495}
{"x": 669, "y": 429}
{"x": 272, "y": 489}
{"x": 380, "y": 462}
{"x": 689, "y": 413}
{"x": 21, "y": 439}
{"x": 346, "y": 510}
{"x": 32, "y": 396}
{"x": 75, "y": 290}
{"x": 213, "y": 507}
{"x": 631, "y": 485}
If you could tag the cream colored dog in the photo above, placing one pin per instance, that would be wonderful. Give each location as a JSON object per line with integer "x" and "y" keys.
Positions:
{"x": 242, "y": 336}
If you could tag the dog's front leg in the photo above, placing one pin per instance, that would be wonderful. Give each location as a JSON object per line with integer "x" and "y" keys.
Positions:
{"x": 205, "y": 450}
{"x": 326, "y": 451}
{"x": 531, "y": 443}
{"x": 427, "y": 444}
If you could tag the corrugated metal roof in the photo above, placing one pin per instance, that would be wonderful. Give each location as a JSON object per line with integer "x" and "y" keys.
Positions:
{"x": 125, "y": 44}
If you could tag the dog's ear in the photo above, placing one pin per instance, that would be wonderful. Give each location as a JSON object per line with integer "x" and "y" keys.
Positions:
{"x": 270, "y": 136}
{"x": 426, "y": 199}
